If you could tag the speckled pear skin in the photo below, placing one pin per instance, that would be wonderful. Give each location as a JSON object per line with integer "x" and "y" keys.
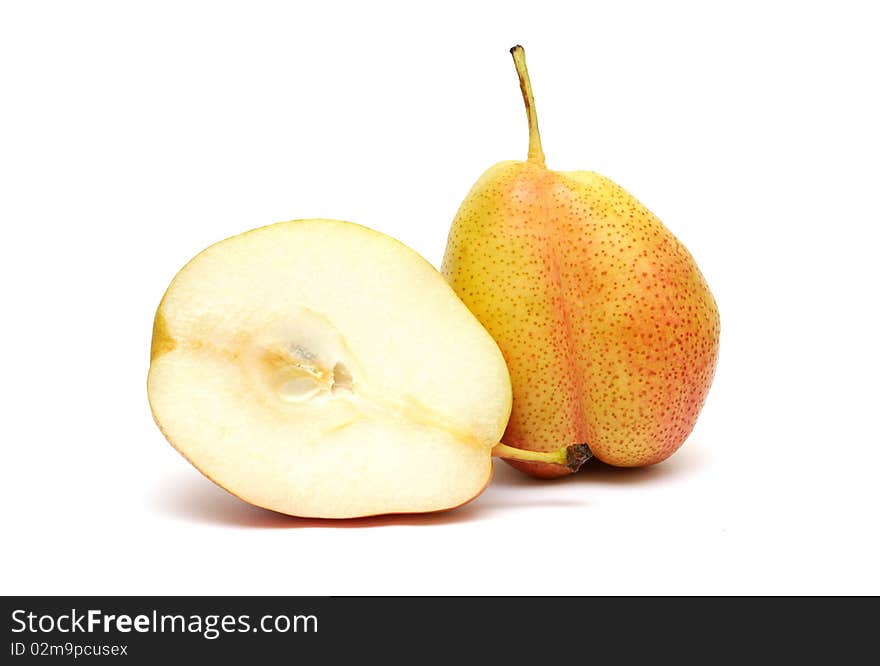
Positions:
{"x": 608, "y": 327}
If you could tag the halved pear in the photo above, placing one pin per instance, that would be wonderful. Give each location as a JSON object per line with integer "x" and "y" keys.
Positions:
{"x": 322, "y": 369}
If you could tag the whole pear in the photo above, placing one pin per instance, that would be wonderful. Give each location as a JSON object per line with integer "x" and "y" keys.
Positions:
{"x": 608, "y": 327}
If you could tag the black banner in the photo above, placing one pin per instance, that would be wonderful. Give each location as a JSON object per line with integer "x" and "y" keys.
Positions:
{"x": 147, "y": 629}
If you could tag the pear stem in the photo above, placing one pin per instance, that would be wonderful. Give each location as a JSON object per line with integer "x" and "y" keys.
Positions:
{"x": 571, "y": 457}
{"x": 536, "y": 152}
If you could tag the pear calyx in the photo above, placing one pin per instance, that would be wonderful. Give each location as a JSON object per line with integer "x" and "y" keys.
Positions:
{"x": 576, "y": 455}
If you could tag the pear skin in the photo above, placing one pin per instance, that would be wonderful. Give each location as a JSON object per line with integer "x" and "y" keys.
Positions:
{"x": 607, "y": 325}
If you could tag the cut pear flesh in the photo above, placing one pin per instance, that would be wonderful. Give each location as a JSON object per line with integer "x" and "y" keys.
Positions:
{"x": 322, "y": 369}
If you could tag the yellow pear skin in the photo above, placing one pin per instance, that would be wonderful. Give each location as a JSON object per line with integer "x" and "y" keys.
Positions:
{"x": 608, "y": 327}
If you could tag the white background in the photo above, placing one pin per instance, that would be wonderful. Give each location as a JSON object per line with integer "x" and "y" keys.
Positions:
{"x": 135, "y": 134}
